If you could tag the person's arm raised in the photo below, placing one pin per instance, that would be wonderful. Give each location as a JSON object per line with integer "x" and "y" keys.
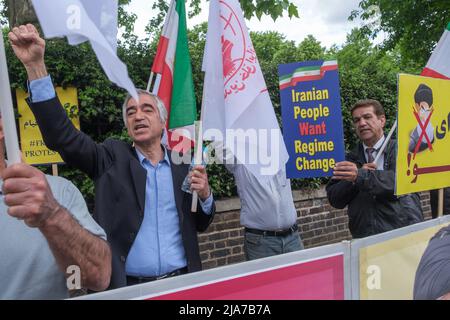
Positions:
{"x": 29, "y": 48}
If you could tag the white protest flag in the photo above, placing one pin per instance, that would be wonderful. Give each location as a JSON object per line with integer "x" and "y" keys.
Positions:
{"x": 7, "y": 111}
{"x": 103, "y": 13}
{"x": 84, "y": 20}
{"x": 235, "y": 94}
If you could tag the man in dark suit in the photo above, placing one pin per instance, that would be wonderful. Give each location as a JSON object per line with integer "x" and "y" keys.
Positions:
{"x": 139, "y": 201}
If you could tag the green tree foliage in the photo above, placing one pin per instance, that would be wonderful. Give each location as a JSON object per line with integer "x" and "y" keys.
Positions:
{"x": 413, "y": 25}
{"x": 125, "y": 19}
{"x": 258, "y": 8}
{"x": 365, "y": 72}
{"x": 99, "y": 100}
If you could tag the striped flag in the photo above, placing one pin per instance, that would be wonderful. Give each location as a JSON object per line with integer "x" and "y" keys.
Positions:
{"x": 307, "y": 74}
{"x": 439, "y": 64}
{"x": 174, "y": 84}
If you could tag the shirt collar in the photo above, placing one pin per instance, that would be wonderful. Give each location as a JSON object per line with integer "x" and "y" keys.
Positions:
{"x": 142, "y": 158}
{"x": 377, "y": 145}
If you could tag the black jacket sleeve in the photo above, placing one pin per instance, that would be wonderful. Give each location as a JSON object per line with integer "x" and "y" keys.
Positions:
{"x": 76, "y": 148}
{"x": 379, "y": 183}
{"x": 340, "y": 193}
{"x": 203, "y": 220}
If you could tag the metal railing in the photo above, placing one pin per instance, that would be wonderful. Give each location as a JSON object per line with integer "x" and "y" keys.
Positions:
{"x": 342, "y": 272}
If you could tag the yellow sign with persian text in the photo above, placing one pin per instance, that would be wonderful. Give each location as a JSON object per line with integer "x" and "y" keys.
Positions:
{"x": 32, "y": 145}
{"x": 423, "y": 157}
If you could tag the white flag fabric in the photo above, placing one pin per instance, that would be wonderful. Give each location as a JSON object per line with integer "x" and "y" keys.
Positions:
{"x": 235, "y": 94}
{"x": 86, "y": 20}
{"x": 103, "y": 13}
{"x": 439, "y": 64}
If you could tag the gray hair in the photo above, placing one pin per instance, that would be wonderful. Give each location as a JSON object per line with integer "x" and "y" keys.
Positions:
{"x": 159, "y": 104}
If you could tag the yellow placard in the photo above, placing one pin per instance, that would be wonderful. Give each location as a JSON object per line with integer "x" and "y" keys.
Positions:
{"x": 423, "y": 158}
{"x": 388, "y": 269}
{"x": 32, "y": 144}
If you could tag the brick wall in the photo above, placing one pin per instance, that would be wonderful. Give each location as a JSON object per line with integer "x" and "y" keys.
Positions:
{"x": 318, "y": 222}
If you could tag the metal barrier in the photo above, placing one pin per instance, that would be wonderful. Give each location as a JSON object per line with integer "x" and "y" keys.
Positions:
{"x": 317, "y": 273}
{"x": 384, "y": 265}
{"x": 352, "y": 270}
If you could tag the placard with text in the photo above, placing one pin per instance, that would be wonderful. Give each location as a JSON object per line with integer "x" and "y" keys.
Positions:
{"x": 423, "y": 160}
{"x": 32, "y": 144}
{"x": 312, "y": 117}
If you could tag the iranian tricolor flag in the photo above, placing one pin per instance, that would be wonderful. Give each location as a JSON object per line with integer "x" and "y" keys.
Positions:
{"x": 439, "y": 64}
{"x": 174, "y": 84}
{"x": 307, "y": 74}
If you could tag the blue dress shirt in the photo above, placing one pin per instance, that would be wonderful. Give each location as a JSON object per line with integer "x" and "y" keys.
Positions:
{"x": 158, "y": 247}
{"x": 41, "y": 89}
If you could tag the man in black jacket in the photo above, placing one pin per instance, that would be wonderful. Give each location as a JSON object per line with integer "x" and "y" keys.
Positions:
{"x": 138, "y": 196}
{"x": 367, "y": 187}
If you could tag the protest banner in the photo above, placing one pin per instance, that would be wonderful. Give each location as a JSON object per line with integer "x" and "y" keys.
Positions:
{"x": 236, "y": 106}
{"x": 31, "y": 141}
{"x": 312, "y": 118}
{"x": 318, "y": 279}
{"x": 423, "y": 160}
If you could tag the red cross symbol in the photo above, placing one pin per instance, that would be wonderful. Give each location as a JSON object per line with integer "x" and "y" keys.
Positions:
{"x": 424, "y": 133}
{"x": 228, "y": 23}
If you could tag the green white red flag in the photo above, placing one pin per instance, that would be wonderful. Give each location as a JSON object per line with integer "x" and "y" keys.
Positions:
{"x": 174, "y": 84}
{"x": 307, "y": 74}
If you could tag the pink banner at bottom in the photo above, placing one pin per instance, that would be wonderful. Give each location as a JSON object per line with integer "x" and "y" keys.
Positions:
{"x": 321, "y": 279}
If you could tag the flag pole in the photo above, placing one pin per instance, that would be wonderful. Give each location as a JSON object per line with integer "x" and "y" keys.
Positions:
{"x": 55, "y": 169}
{"x": 198, "y": 146}
{"x": 440, "y": 212}
{"x": 150, "y": 81}
{"x": 7, "y": 111}
{"x": 380, "y": 152}
{"x": 197, "y": 160}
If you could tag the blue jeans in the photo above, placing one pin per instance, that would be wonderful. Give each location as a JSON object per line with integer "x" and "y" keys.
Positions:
{"x": 259, "y": 246}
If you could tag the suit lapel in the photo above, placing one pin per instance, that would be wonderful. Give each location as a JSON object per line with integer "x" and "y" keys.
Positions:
{"x": 178, "y": 175}
{"x": 388, "y": 152}
{"x": 139, "y": 176}
{"x": 357, "y": 155}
